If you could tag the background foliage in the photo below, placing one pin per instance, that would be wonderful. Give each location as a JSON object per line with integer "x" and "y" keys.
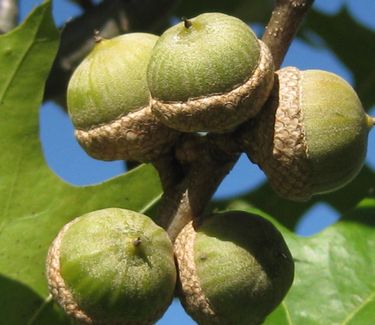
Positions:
{"x": 335, "y": 269}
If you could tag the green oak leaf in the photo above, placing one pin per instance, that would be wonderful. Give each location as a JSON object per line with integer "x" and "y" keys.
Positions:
{"x": 334, "y": 272}
{"x": 34, "y": 202}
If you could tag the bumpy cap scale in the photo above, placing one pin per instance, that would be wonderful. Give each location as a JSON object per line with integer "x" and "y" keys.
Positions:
{"x": 112, "y": 266}
{"x": 209, "y": 73}
{"x": 108, "y": 101}
{"x": 234, "y": 269}
{"x": 311, "y": 136}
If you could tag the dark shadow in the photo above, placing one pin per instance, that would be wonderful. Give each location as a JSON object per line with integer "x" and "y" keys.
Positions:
{"x": 19, "y": 305}
{"x": 362, "y": 214}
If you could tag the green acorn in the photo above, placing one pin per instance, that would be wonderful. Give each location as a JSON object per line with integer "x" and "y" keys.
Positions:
{"x": 112, "y": 266}
{"x": 108, "y": 101}
{"x": 209, "y": 73}
{"x": 311, "y": 136}
{"x": 235, "y": 268}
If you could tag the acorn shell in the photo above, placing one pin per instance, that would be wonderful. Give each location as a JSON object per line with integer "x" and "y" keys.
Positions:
{"x": 108, "y": 101}
{"x": 311, "y": 136}
{"x": 112, "y": 266}
{"x": 210, "y": 76}
{"x": 233, "y": 269}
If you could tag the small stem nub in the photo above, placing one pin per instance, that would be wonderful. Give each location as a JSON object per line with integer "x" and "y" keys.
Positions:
{"x": 97, "y": 37}
{"x": 137, "y": 242}
{"x": 370, "y": 121}
{"x": 187, "y": 22}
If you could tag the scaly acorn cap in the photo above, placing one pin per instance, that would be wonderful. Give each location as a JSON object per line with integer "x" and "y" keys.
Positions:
{"x": 112, "y": 267}
{"x": 209, "y": 73}
{"x": 311, "y": 136}
{"x": 234, "y": 269}
{"x": 108, "y": 101}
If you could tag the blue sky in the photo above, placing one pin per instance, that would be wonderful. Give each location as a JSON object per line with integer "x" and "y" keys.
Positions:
{"x": 71, "y": 163}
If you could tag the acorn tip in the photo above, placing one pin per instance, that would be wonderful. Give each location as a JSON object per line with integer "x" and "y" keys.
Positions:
{"x": 97, "y": 37}
{"x": 187, "y": 22}
{"x": 370, "y": 121}
{"x": 137, "y": 242}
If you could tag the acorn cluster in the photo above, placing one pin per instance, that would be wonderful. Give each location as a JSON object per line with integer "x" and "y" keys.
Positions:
{"x": 116, "y": 266}
{"x": 132, "y": 98}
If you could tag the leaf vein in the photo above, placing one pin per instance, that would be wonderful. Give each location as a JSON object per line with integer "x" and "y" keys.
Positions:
{"x": 288, "y": 317}
{"x": 37, "y": 312}
{"x": 358, "y": 309}
{"x": 151, "y": 203}
{"x": 22, "y": 59}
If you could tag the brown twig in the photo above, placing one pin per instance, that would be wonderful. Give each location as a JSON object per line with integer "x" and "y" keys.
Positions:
{"x": 170, "y": 171}
{"x": 216, "y": 155}
{"x": 8, "y": 15}
{"x": 286, "y": 18}
{"x": 187, "y": 200}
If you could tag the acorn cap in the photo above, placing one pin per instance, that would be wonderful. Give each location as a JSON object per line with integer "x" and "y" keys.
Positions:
{"x": 108, "y": 101}
{"x": 233, "y": 269}
{"x": 112, "y": 266}
{"x": 209, "y": 74}
{"x": 311, "y": 136}
{"x": 135, "y": 136}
